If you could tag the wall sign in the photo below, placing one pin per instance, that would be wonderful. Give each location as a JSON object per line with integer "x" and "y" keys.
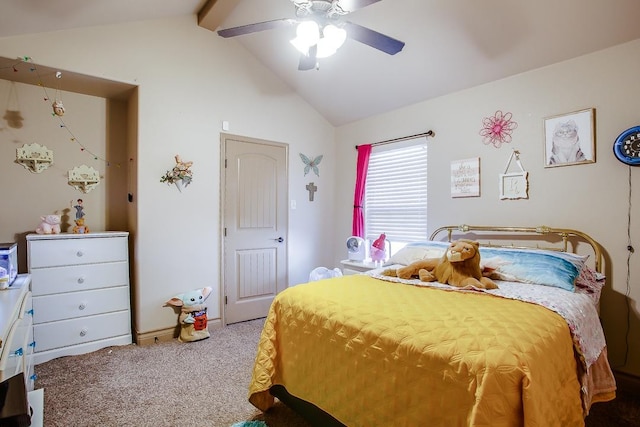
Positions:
{"x": 465, "y": 178}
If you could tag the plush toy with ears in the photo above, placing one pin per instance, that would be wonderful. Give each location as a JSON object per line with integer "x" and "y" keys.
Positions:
{"x": 459, "y": 266}
{"x": 193, "y": 314}
{"x": 50, "y": 224}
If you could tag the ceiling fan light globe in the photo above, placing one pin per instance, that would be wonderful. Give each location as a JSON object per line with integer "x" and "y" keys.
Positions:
{"x": 308, "y": 32}
{"x": 335, "y": 35}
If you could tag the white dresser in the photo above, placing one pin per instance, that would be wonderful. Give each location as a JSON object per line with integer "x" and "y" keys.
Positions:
{"x": 80, "y": 286}
{"x": 16, "y": 327}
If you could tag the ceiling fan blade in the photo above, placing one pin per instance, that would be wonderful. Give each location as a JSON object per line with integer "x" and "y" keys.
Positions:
{"x": 310, "y": 61}
{"x": 373, "y": 38}
{"x": 254, "y": 28}
{"x": 351, "y": 5}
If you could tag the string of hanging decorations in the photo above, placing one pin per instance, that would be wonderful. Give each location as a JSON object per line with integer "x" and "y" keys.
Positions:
{"x": 58, "y": 109}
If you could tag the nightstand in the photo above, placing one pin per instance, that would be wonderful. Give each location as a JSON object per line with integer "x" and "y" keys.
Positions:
{"x": 357, "y": 267}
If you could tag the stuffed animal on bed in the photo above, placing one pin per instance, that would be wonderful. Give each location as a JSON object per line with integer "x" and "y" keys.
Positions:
{"x": 193, "y": 314}
{"x": 459, "y": 266}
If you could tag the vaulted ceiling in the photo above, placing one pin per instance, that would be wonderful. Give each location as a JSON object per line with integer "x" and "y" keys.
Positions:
{"x": 450, "y": 44}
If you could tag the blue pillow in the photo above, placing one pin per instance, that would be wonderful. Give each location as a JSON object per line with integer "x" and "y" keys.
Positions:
{"x": 539, "y": 266}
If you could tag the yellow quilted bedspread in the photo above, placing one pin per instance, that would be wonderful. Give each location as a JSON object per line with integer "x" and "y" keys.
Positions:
{"x": 376, "y": 353}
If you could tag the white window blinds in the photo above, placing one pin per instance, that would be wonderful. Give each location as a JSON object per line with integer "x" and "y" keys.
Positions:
{"x": 396, "y": 193}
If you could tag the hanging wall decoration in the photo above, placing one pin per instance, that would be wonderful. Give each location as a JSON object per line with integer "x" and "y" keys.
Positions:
{"x": 84, "y": 178}
{"x": 311, "y": 164}
{"x": 497, "y": 129}
{"x": 514, "y": 185}
{"x": 465, "y": 178}
{"x": 58, "y": 107}
{"x": 181, "y": 174}
{"x": 311, "y": 188}
{"x": 14, "y": 118}
{"x": 569, "y": 139}
{"x": 34, "y": 157}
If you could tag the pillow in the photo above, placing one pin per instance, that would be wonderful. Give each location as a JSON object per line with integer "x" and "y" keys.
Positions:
{"x": 539, "y": 266}
{"x": 591, "y": 282}
{"x": 413, "y": 252}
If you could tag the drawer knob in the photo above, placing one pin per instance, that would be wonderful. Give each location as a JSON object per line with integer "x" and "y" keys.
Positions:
{"x": 79, "y": 253}
{"x": 83, "y": 332}
{"x": 82, "y": 306}
{"x": 81, "y": 280}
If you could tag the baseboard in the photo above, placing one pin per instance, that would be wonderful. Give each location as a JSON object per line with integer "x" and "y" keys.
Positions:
{"x": 168, "y": 334}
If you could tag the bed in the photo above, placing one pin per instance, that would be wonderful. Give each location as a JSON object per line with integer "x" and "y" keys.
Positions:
{"x": 370, "y": 350}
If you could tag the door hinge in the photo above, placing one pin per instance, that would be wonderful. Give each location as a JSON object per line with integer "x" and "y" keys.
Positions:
{"x": 225, "y": 300}
{"x": 225, "y": 163}
{"x": 225, "y": 232}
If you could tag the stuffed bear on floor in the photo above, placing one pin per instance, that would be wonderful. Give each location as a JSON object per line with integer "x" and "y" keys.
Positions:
{"x": 459, "y": 266}
{"x": 193, "y": 314}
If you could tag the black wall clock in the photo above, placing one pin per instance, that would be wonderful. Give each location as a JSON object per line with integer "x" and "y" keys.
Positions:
{"x": 627, "y": 146}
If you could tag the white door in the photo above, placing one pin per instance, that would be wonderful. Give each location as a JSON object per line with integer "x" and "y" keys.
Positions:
{"x": 254, "y": 226}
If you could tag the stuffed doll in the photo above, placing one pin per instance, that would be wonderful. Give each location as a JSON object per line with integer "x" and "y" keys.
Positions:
{"x": 193, "y": 314}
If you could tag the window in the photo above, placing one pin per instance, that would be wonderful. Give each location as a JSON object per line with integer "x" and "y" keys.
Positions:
{"x": 396, "y": 193}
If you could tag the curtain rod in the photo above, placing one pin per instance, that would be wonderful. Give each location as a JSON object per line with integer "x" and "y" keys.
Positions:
{"x": 403, "y": 138}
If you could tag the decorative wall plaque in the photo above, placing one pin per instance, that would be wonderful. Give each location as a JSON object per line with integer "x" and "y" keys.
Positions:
{"x": 34, "y": 157}
{"x": 84, "y": 178}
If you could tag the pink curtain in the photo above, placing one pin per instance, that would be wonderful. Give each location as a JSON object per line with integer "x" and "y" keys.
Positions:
{"x": 364, "y": 151}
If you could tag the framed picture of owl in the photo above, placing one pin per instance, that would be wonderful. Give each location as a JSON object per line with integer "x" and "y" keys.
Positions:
{"x": 569, "y": 139}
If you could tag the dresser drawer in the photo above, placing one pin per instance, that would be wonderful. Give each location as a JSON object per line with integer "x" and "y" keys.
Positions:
{"x": 69, "y": 305}
{"x": 45, "y": 281}
{"x": 61, "y": 252}
{"x": 84, "y": 329}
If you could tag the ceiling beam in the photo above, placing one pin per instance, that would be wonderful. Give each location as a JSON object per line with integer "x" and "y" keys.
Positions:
{"x": 214, "y": 12}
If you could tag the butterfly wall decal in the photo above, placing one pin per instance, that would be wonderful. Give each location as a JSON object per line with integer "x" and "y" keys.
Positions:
{"x": 311, "y": 164}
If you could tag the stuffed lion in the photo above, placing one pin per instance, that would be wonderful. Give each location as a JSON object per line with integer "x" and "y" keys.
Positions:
{"x": 459, "y": 266}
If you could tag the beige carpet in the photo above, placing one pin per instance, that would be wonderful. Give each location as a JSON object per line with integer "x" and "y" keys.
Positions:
{"x": 202, "y": 383}
{"x": 195, "y": 384}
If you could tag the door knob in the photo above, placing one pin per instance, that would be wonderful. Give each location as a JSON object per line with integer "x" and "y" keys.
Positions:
{"x": 279, "y": 240}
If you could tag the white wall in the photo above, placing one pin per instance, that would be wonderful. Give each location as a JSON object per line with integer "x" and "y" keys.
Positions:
{"x": 592, "y": 198}
{"x": 190, "y": 80}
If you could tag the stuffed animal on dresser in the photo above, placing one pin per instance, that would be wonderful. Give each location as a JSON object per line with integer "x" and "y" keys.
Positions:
{"x": 80, "y": 227}
{"x": 193, "y": 314}
{"x": 50, "y": 224}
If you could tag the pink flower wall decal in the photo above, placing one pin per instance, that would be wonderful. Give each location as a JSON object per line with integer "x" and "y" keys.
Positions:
{"x": 497, "y": 130}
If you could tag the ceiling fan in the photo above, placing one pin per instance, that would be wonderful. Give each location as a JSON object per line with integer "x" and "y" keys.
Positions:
{"x": 321, "y": 29}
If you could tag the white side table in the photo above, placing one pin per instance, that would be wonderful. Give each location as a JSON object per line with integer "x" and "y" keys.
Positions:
{"x": 357, "y": 267}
